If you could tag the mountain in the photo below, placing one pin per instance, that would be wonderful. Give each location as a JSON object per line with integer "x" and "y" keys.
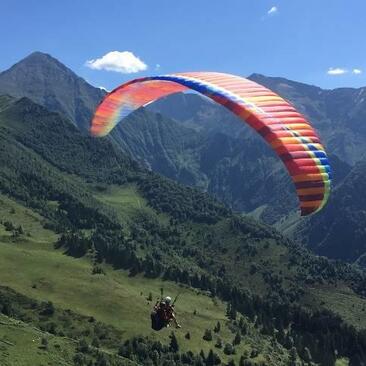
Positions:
{"x": 180, "y": 151}
{"x": 48, "y": 82}
{"x": 127, "y": 232}
{"x": 199, "y": 113}
{"x": 338, "y": 115}
{"x": 242, "y": 154}
{"x": 162, "y": 145}
{"x": 184, "y": 150}
{"x": 179, "y": 136}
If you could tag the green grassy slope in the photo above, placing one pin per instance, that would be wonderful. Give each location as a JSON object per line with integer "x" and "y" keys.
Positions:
{"x": 113, "y": 298}
{"x": 23, "y": 344}
{"x": 20, "y": 342}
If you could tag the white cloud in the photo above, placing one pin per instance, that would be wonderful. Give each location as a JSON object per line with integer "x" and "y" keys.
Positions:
{"x": 124, "y": 62}
{"x": 157, "y": 67}
{"x": 336, "y": 71}
{"x": 273, "y": 10}
{"x": 357, "y": 71}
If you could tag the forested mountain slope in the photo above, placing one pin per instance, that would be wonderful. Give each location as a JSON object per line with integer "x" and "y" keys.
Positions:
{"x": 196, "y": 142}
{"x": 339, "y": 230}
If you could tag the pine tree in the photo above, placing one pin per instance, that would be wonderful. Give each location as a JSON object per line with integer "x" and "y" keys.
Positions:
{"x": 83, "y": 346}
{"x": 228, "y": 349}
{"x": 293, "y": 357}
{"x": 218, "y": 343}
{"x": 228, "y": 310}
{"x": 173, "y": 346}
{"x": 202, "y": 354}
{"x": 95, "y": 342}
{"x": 307, "y": 355}
{"x": 208, "y": 335}
{"x": 212, "y": 359}
{"x": 243, "y": 361}
{"x": 217, "y": 327}
{"x": 101, "y": 360}
{"x": 231, "y": 312}
{"x": 44, "y": 342}
{"x": 237, "y": 339}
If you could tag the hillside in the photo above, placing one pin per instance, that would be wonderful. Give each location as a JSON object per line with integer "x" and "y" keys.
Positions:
{"x": 162, "y": 145}
{"x": 120, "y": 303}
{"x": 339, "y": 231}
{"x": 96, "y": 203}
{"x": 178, "y": 137}
{"x": 337, "y": 115}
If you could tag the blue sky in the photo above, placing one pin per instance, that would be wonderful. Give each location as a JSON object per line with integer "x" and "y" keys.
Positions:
{"x": 296, "y": 39}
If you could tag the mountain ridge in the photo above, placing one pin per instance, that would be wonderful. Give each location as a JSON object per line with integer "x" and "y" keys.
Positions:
{"x": 178, "y": 137}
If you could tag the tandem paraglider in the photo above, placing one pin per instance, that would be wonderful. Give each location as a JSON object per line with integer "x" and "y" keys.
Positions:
{"x": 163, "y": 314}
{"x": 288, "y": 132}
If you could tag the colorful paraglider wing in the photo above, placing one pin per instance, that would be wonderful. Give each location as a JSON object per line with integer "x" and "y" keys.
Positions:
{"x": 127, "y": 98}
{"x": 276, "y": 120}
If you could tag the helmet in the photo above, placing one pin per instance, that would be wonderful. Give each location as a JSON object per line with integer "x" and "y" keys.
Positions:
{"x": 168, "y": 300}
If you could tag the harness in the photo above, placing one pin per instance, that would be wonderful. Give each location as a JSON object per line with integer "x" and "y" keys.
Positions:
{"x": 161, "y": 316}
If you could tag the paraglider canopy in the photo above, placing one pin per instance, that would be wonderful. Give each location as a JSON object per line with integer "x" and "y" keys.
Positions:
{"x": 287, "y": 131}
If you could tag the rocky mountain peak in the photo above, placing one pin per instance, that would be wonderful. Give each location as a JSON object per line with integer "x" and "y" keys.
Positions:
{"x": 48, "y": 82}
